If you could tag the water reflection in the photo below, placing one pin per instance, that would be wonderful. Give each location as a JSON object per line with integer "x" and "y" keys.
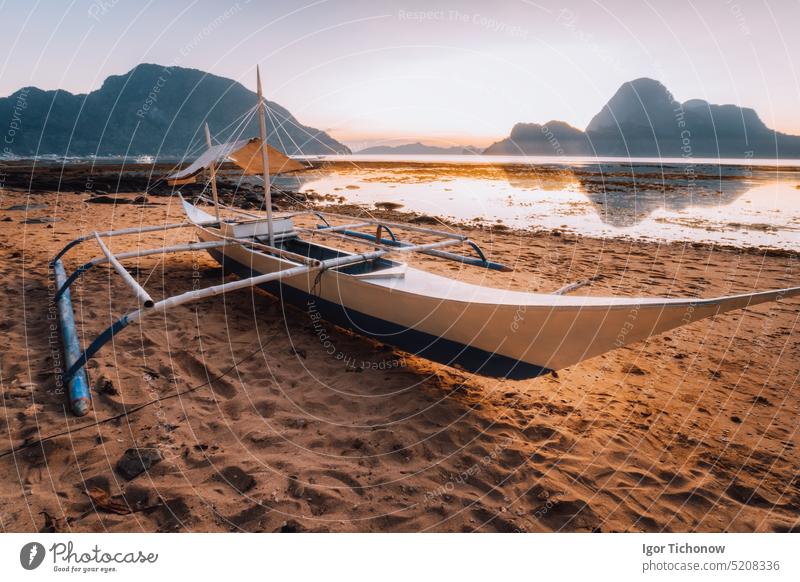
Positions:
{"x": 730, "y": 205}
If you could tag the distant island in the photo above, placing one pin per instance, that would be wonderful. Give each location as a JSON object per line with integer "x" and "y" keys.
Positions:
{"x": 418, "y": 148}
{"x": 151, "y": 109}
{"x": 159, "y": 110}
{"x": 643, "y": 119}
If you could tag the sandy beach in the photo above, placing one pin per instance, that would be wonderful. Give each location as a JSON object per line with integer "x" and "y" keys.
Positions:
{"x": 264, "y": 419}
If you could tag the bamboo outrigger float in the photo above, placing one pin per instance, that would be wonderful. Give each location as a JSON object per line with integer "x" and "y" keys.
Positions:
{"x": 489, "y": 331}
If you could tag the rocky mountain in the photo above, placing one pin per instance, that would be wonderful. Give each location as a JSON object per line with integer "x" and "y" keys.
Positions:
{"x": 553, "y": 138}
{"x": 643, "y": 119}
{"x": 418, "y": 149}
{"x": 151, "y": 109}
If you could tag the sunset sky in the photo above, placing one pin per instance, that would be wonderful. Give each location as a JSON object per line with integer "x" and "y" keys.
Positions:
{"x": 444, "y": 72}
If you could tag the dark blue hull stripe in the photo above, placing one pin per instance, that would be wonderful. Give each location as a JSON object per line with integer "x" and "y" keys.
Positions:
{"x": 415, "y": 342}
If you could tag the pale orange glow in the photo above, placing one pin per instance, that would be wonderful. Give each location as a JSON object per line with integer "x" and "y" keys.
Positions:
{"x": 463, "y": 71}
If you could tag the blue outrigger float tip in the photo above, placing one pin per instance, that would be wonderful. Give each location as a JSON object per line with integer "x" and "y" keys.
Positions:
{"x": 75, "y": 376}
{"x": 80, "y": 398}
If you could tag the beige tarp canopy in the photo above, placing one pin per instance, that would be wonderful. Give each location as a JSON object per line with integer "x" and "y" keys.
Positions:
{"x": 245, "y": 153}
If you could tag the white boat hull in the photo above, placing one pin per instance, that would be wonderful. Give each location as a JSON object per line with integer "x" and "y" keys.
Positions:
{"x": 493, "y": 332}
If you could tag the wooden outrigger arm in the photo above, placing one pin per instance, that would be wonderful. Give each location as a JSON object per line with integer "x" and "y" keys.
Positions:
{"x": 75, "y": 375}
{"x": 359, "y": 237}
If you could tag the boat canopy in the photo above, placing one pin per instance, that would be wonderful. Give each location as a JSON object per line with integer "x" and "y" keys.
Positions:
{"x": 245, "y": 153}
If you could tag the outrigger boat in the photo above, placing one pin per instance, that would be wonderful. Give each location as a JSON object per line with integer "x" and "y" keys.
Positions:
{"x": 486, "y": 330}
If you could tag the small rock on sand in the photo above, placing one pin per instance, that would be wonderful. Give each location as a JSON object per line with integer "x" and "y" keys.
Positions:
{"x": 41, "y": 220}
{"x": 136, "y": 461}
{"x": 105, "y": 386}
{"x": 388, "y": 205}
{"x": 27, "y": 207}
{"x": 116, "y": 200}
{"x": 422, "y": 219}
{"x": 291, "y": 526}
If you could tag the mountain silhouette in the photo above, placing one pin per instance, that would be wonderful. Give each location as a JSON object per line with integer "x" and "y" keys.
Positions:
{"x": 419, "y": 149}
{"x": 553, "y": 138}
{"x": 643, "y": 119}
{"x": 151, "y": 109}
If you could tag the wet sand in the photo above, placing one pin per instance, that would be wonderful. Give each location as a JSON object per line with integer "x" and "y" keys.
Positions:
{"x": 262, "y": 428}
{"x": 721, "y": 205}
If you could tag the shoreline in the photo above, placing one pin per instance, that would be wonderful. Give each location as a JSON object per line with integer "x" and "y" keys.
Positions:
{"x": 766, "y": 164}
{"x": 419, "y": 218}
{"x": 118, "y": 179}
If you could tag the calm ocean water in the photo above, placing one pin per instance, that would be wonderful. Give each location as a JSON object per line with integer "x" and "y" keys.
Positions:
{"x": 746, "y": 203}
{"x": 559, "y": 160}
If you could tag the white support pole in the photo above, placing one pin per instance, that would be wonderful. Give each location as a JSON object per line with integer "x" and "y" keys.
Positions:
{"x": 187, "y": 247}
{"x": 246, "y": 242}
{"x": 213, "y": 170}
{"x": 262, "y": 125}
{"x": 141, "y": 229}
{"x": 198, "y": 294}
{"x": 125, "y": 231}
{"x": 141, "y": 294}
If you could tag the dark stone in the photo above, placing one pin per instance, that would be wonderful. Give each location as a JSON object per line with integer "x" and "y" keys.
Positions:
{"x": 27, "y": 207}
{"x": 41, "y": 220}
{"x": 136, "y": 461}
{"x": 291, "y": 526}
{"x": 109, "y": 200}
{"x": 105, "y": 386}
{"x": 422, "y": 219}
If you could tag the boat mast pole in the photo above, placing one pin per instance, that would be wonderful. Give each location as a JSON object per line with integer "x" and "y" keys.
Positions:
{"x": 262, "y": 125}
{"x": 213, "y": 170}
